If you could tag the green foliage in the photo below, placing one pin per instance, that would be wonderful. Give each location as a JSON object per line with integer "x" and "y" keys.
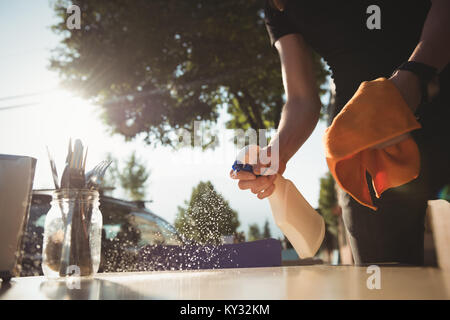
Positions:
{"x": 266, "y": 232}
{"x": 253, "y": 232}
{"x": 328, "y": 202}
{"x": 206, "y": 217}
{"x": 157, "y": 66}
{"x": 239, "y": 237}
{"x": 445, "y": 193}
{"x": 110, "y": 180}
{"x": 132, "y": 177}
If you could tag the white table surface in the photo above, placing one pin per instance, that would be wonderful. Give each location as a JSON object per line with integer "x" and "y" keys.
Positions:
{"x": 296, "y": 282}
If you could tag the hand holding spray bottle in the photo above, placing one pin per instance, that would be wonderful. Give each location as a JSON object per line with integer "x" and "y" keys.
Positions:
{"x": 299, "y": 222}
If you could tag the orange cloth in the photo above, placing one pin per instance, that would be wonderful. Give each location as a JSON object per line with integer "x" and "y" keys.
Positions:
{"x": 375, "y": 114}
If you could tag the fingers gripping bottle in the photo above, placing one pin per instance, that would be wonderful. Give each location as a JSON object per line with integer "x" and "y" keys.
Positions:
{"x": 299, "y": 222}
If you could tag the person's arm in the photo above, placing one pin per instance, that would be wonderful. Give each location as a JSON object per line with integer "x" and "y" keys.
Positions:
{"x": 433, "y": 49}
{"x": 302, "y": 109}
{"x": 300, "y": 113}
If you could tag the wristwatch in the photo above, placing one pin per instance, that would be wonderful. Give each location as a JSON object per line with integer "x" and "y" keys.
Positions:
{"x": 428, "y": 78}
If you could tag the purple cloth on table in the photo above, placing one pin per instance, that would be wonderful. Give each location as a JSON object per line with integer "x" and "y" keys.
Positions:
{"x": 260, "y": 253}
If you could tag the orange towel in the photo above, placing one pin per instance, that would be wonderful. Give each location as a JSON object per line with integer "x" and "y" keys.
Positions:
{"x": 375, "y": 114}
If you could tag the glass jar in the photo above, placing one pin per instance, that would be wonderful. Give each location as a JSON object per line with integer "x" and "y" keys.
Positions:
{"x": 72, "y": 234}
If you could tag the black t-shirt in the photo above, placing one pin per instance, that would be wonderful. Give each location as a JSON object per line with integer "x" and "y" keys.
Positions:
{"x": 337, "y": 31}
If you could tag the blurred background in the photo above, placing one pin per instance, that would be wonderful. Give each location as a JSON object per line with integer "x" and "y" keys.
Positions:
{"x": 130, "y": 78}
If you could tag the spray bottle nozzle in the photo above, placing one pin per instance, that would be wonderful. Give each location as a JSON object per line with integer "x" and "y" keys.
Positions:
{"x": 238, "y": 166}
{"x": 244, "y": 156}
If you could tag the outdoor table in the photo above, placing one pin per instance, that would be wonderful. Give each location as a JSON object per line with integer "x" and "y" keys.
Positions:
{"x": 292, "y": 282}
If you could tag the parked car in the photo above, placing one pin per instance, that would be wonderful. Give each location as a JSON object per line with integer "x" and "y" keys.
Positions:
{"x": 127, "y": 227}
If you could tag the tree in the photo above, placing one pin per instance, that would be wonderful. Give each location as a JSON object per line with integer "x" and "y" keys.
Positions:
{"x": 239, "y": 237}
{"x": 266, "y": 232}
{"x": 328, "y": 202}
{"x": 110, "y": 180}
{"x": 253, "y": 232}
{"x": 206, "y": 217}
{"x": 132, "y": 177}
{"x": 158, "y": 66}
{"x": 287, "y": 243}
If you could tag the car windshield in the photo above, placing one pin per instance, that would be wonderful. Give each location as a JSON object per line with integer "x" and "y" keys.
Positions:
{"x": 154, "y": 230}
{"x": 135, "y": 227}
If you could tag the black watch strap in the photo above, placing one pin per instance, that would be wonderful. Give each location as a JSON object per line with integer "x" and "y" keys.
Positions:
{"x": 424, "y": 72}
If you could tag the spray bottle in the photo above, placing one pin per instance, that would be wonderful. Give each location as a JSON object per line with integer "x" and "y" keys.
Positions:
{"x": 299, "y": 222}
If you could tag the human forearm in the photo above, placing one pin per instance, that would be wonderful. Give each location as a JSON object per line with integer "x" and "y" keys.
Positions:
{"x": 298, "y": 120}
{"x": 433, "y": 49}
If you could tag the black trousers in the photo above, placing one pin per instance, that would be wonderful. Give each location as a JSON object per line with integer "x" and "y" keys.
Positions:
{"x": 395, "y": 232}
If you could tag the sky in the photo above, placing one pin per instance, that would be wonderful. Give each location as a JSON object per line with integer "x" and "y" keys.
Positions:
{"x": 56, "y": 115}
